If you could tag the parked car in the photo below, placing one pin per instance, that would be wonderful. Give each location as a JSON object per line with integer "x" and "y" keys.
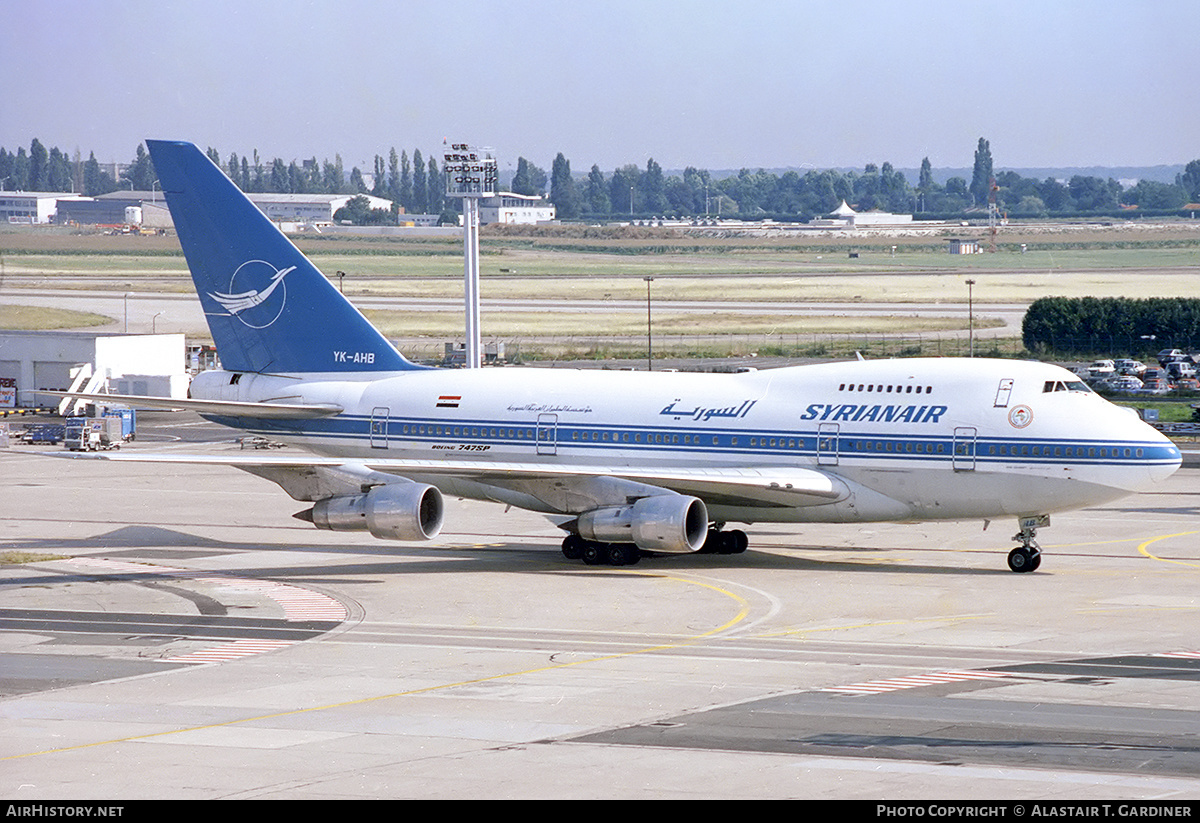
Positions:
{"x": 1168, "y": 356}
{"x": 1101, "y": 368}
{"x": 1122, "y": 385}
{"x": 1131, "y": 368}
{"x": 1180, "y": 370}
{"x": 1154, "y": 386}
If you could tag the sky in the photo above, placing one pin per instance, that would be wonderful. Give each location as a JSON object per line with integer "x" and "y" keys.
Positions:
{"x": 716, "y": 85}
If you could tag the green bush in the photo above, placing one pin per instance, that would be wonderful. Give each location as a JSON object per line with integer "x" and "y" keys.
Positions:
{"x": 1093, "y": 325}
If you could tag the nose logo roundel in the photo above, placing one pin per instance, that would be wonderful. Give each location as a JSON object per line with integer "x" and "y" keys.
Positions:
{"x": 1020, "y": 416}
{"x": 257, "y": 293}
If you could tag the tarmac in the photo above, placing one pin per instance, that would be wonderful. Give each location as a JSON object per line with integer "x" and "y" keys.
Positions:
{"x": 175, "y": 633}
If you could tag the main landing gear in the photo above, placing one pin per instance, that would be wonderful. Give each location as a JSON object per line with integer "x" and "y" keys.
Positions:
{"x": 734, "y": 541}
{"x": 595, "y": 553}
{"x": 1028, "y": 556}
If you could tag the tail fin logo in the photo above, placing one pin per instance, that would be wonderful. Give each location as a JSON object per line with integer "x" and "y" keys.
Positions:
{"x": 257, "y": 293}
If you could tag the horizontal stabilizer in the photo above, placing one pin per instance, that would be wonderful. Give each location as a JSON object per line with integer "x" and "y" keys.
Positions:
{"x": 281, "y": 410}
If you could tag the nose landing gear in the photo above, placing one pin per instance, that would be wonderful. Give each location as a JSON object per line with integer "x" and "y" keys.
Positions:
{"x": 1028, "y": 556}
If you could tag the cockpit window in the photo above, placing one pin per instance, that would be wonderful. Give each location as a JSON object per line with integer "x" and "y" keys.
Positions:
{"x": 1069, "y": 385}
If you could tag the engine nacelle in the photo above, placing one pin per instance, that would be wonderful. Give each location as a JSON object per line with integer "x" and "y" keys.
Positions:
{"x": 665, "y": 523}
{"x": 395, "y": 511}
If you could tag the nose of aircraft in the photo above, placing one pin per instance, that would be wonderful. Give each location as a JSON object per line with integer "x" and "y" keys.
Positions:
{"x": 1163, "y": 457}
{"x": 1154, "y": 456}
{"x": 1169, "y": 468}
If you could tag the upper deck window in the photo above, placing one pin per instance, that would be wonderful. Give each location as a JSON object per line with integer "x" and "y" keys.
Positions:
{"x": 886, "y": 389}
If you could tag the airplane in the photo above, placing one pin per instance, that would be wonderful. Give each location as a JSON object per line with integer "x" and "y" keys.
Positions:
{"x": 627, "y": 464}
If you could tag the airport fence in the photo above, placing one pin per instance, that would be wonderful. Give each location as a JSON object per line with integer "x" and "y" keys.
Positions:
{"x": 708, "y": 346}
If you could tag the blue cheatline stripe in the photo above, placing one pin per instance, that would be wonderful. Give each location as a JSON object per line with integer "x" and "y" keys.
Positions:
{"x": 357, "y": 428}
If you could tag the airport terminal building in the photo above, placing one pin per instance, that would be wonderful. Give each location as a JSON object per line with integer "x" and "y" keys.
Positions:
{"x": 507, "y": 207}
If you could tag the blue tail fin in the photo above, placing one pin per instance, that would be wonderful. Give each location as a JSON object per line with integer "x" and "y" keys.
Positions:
{"x": 268, "y": 307}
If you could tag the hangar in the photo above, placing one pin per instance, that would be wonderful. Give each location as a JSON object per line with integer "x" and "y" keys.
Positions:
{"x": 146, "y": 364}
{"x": 108, "y": 209}
{"x": 32, "y": 206}
{"x": 309, "y": 208}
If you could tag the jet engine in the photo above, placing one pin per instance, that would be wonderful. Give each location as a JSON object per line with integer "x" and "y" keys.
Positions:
{"x": 395, "y": 511}
{"x": 664, "y": 523}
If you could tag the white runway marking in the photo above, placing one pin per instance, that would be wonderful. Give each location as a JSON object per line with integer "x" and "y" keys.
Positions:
{"x": 913, "y": 682}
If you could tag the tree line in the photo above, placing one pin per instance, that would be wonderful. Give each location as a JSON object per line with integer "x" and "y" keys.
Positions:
{"x": 39, "y": 169}
{"x": 632, "y": 191}
{"x": 53, "y": 171}
{"x": 418, "y": 186}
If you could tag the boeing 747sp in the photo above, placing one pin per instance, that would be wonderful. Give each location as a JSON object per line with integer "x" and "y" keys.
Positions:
{"x": 624, "y": 463}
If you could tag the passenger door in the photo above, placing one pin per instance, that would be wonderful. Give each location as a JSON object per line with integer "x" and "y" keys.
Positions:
{"x": 963, "y": 458}
{"x": 547, "y": 434}
{"x": 379, "y": 427}
{"x": 827, "y": 444}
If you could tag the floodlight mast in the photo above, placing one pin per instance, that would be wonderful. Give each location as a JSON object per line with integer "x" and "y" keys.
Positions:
{"x": 470, "y": 174}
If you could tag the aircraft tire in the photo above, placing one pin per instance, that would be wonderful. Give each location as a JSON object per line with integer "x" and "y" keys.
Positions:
{"x": 734, "y": 542}
{"x": 572, "y": 547}
{"x": 594, "y": 554}
{"x": 1022, "y": 560}
{"x": 623, "y": 554}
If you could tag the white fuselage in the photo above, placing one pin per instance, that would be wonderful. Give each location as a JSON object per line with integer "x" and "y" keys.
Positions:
{"x": 910, "y": 439}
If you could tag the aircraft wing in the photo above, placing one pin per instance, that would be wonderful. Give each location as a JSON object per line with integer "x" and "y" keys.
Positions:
{"x": 762, "y": 486}
{"x": 742, "y": 486}
{"x": 767, "y": 486}
{"x": 280, "y": 409}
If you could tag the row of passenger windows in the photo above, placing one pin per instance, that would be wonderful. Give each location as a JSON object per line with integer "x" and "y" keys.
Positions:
{"x": 594, "y": 436}
{"x": 826, "y": 443}
{"x": 469, "y": 431}
{"x": 964, "y": 448}
{"x": 625, "y": 437}
{"x": 872, "y": 387}
{"x": 685, "y": 439}
{"x": 1064, "y": 451}
{"x": 888, "y": 446}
